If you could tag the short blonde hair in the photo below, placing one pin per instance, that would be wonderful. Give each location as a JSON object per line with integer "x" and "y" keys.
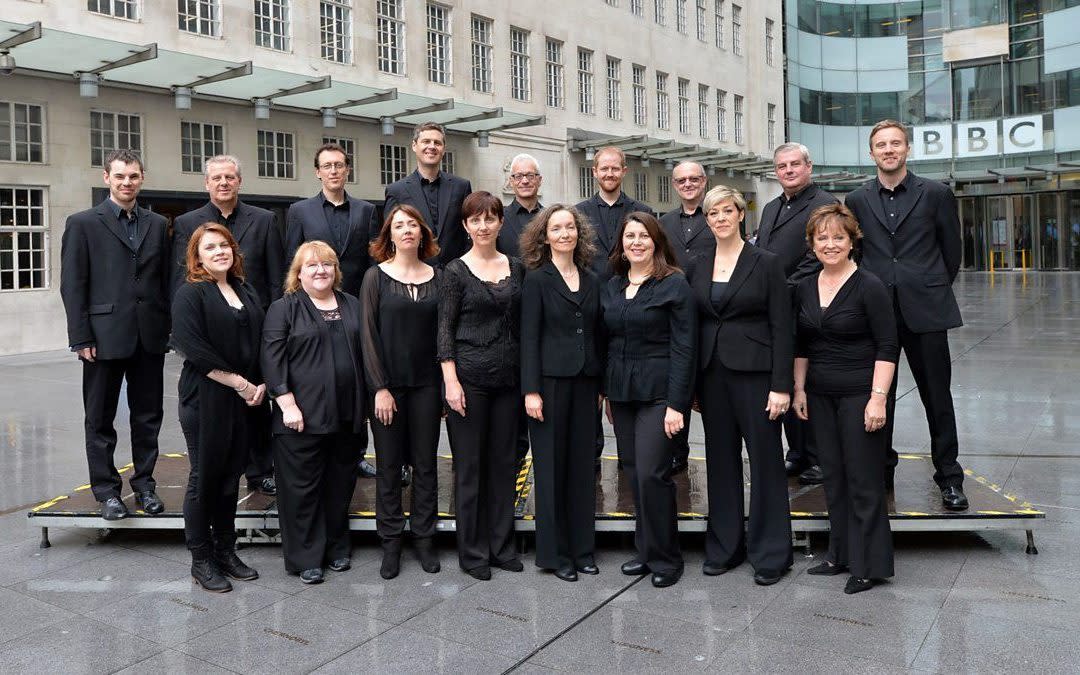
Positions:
{"x": 319, "y": 250}
{"x": 887, "y": 124}
{"x": 723, "y": 193}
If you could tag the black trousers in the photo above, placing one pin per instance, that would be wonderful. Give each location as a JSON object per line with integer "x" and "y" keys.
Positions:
{"x": 852, "y": 460}
{"x": 931, "y": 366}
{"x": 412, "y": 438}
{"x": 483, "y": 445}
{"x": 522, "y": 447}
{"x": 212, "y": 489}
{"x": 733, "y": 411}
{"x": 680, "y": 443}
{"x": 260, "y": 461}
{"x": 316, "y": 475}
{"x": 565, "y": 480}
{"x": 101, "y": 394}
{"x": 645, "y": 452}
{"x": 801, "y": 447}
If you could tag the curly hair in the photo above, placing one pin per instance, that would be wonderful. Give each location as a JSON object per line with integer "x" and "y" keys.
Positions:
{"x": 195, "y": 271}
{"x": 534, "y": 247}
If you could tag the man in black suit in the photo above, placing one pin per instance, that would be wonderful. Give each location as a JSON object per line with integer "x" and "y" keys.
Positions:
{"x": 264, "y": 266}
{"x": 114, "y": 281}
{"x": 911, "y": 240}
{"x": 525, "y": 181}
{"x": 783, "y": 231}
{"x": 346, "y": 223}
{"x": 437, "y": 195}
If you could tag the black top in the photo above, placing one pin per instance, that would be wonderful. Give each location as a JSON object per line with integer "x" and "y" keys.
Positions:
{"x": 843, "y": 341}
{"x": 689, "y": 235}
{"x": 515, "y": 218}
{"x": 398, "y": 333}
{"x": 343, "y": 368}
{"x": 783, "y": 231}
{"x": 129, "y": 220}
{"x": 605, "y": 220}
{"x": 307, "y": 220}
{"x": 896, "y": 201}
{"x": 337, "y": 217}
{"x": 450, "y": 192}
{"x": 716, "y": 294}
{"x": 431, "y": 196}
{"x": 651, "y": 341}
{"x": 479, "y": 324}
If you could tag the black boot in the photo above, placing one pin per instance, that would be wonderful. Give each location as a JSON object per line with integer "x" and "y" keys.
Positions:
{"x": 391, "y": 558}
{"x": 205, "y": 571}
{"x": 229, "y": 563}
{"x": 429, "y": 557}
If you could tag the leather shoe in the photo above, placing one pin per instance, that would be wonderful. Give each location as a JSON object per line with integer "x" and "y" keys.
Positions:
{"x": 953, "y": 499}
{"x": 206, "y": 573}
{"x": 566, "y": 573}
{"x": 665, "y": 579}
{"x": 340, "y": 564}
{"x": 710, "y": 569}
{"x": 267, "y": 486}
{"x": 811, "y": 476}
{"x": 512, "y": 565}
{"x": 590, "y": 568}
{"x": 633, "y": 568}
{"x": 366, "y": 469}
{"x": 827, "y": 568}
{"x": 678, "y": 465}
{"x": 231, "y": 565}
{"x": 767, "y": 577}
{"x": 428, "y": 556}
{"x": 149, "y": 502}
{"x": 857, "y": 585}
{"x": 406, "y": 475}
{"x": 792, "y": 468}
{"x": 482, "y": 573}
{"x": 312, "y": 576}
{"x": 113, "y": 509}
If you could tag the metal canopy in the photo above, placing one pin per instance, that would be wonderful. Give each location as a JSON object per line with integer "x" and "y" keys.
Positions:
{"x": 647, "y": 148}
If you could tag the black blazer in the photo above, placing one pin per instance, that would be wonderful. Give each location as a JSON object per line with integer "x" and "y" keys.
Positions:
{"x": 787, "y": 238}
{"x": 115, "y": 293}
{"x": 260, "y": 243}
{"x": 559, "y": 329}
{"x": 296, "y": 358}
{"x": 450, "y": 232}
{"x": 699, "y": 242}
{"x": 921, "y": 258}
{"x": 752, "y": 331}
{"x": 590, "y": 208}
{"x": 306, "y": 221}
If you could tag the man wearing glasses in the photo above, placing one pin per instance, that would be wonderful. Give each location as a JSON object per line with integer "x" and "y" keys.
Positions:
{"x": 525, "y": 180}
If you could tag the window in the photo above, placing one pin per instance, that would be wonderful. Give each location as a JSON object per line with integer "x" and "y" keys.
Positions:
{"x": 612, "y": 3}
{"x": 272, "y": 24}
{"x": 641, "y": 187}
{"x": 390, "y": 36}
{"x": 637, "y": 7}
{"x": 662, "y": 101}
{"x": 641, "y": 109}
{"x": 447, "y": 163}
{"x": 113, "y": 131}
{"x": 769, "y": 41}
{"x": 977, "y": 92}
{"x": 121, "y": 9}
{"x": 721, "y": 115}
{"x": 663, "y": 189}
{"x": 481, "y": 54}
{"x": 349, "y": 146}
{"x": 680, "y": 16}
{"x": 659, "y": 10}
{"x": 22, "y": 131}
{"x": 703, "y": 110}
{"x": 684, "y": 106}
{"x": 198, "y": 142}
{"x": 736, "y": 30}
{"x": 700, "y": 18}
{"x": 201, "y": 17}
{"x": 23, "y": 238}
{"x": 772, "y": 126}
{"x": 555, "y": 83}
{"x": 438, "y": 44}
{"x": 585, "y": 81}
{"x": 392, "y": 163}
{"x": 614, "y": 89}
{"x": 718, "y": 11}
{"x": 584, "y": 182}
{"x": 335, "y": 30}
{"x": 276, "y": 154}
{"x": 738, "y": 119}
{"x": 520, "y": 85}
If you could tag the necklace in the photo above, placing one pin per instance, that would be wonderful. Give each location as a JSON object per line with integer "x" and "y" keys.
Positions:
{"x": 832, "y": 287}
{"x": 637, "y": 283}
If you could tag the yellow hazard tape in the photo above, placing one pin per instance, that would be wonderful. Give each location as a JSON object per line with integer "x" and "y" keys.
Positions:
{"x": 51, "y": 502}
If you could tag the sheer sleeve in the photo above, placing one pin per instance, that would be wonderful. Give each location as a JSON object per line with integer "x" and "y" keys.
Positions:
{"x": 370, "y": 340}
{"x": 450, "y": 294}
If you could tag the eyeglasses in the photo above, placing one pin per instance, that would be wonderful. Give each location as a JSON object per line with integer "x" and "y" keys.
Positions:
{"x": 523, "y": 176}
{"x": 688, "y": 180}
{"x": 315, "y": 266}
{"x": 333, "y": 166}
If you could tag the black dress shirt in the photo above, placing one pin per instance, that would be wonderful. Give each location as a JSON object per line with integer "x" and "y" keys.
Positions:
{"x": 398, "y": 333}
{"x": 337, "y": 216}
{"x": 515, "y": 218}
{"x": 129, "y": 220}
{"x": 431, "y": 196}
{"x": 220, "y": 219}
{"x": 896, "y": 201}
{"x": 689, "y": 235}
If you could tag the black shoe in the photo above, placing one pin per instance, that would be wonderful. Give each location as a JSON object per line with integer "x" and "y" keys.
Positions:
{"x": 713, "y": 569}
{"x": 591, "y": 568}
{"x": 768, "y": 577}
{"x": 406, "y": 475}
{"x": 340, "y": 564}
{"x": 231, "y": 565}
{"x": 366, "y": 469}
{"x": 149, "y": 502}
{"x": 428, "y": 556}
{"x": 391, "y": 562}
{"x": 482, "y": 573}
{"x": 267, "y": 486}
{"x": 513, "y": 565}
{"x": 113, "y": 509}
{"x": 312, "y": 576}
{"x": 633, "y": 568}
{"x": 678, "y": 465}
{"x": 665, "y": 579}
{"x": 826, "y": 568}
{"x": 811, "y": 476}
{"x": 857, "y": 585}
{"x": 793, "y": 468}
{"x": 953, "y": 499}
{"x": 566, "y": 573}
{"x": 206, "y": 573}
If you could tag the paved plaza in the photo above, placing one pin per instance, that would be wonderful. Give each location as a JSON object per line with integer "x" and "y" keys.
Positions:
{"x": 958, "y": 603}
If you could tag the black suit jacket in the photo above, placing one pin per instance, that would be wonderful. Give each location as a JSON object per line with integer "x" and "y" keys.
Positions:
{"x": 752, "y": 331}
{"x": 787, "y": 238}
{"x": 591, "y": 209}
{"x": 452, "y": 192}
{"x": 560, "y": 330}
{"x": 306, "y": 221}
{"x": 920, "y": 259}
{"x": 260, "y": 244}
{"x": 115, "y": 293}
{"x": 699, "y": 242}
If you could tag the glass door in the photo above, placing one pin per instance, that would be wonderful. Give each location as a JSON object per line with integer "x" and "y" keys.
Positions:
{"x": 1048, "y": 256}
{"x": 999, "y": 237}
{"x": 972, "y": 236}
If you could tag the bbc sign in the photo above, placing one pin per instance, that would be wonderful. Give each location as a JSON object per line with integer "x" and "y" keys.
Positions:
{"x": 978, "y": 139}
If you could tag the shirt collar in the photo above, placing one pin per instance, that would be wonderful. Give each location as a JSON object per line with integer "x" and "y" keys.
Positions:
{"x": 218, "y": 215}
{"x": 798, "y": 195}
{"x": 902, "y": 186}
{"x": 519, "y": 208}
{"x": 683, "y": 214}
{"x": 117, "y": 210}
{"x": 327, "y": 202}
{"x": 618, "y": 202}
{"x": 436, "y": 181}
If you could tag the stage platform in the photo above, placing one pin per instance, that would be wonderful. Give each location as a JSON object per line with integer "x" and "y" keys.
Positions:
{"x": 915, "y": 506}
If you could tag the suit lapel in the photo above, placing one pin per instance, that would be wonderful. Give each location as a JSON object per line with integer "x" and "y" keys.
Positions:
{"x": 560, "y": 283}
{"x": 244, "y": 219}
{"x": 418, "y": 199}
{"x": 768, "y": 216}
{"x": 698, "y": 226}
{"x": 918, "y": 189}
{"x": 873, "y": 199}
{"x": 446, "y": 187}
{"x": 112, "y": 224}
{"x": 144, "y": 225}
{"x": 743, "y": 267}
{"x": 701, "y": 283}
{"x": 354, "y": 223}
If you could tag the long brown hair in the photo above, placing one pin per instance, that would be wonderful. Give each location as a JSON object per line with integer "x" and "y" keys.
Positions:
{"x": 195, "y": 271}
{"x": 382, "y": 248}
{"x": 319, "y": 250}
{"x": 533, "y": 244}
{"x": 663, "y": 262}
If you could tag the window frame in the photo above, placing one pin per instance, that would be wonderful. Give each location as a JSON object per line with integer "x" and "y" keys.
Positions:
{"x": 288, "y": 163}
{"x": 39, "y": 234}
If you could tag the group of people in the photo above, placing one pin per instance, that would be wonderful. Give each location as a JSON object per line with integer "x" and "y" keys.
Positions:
{"x": 522, "y": 325}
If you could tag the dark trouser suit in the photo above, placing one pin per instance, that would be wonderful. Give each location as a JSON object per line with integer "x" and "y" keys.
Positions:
{"x": 412, "y": 438}
{"x": 931, "y": 366}
{"x": 801, "y": 447}
{"x": 645, "y": 452}
{"x": 260, "y": 461}
{"x": 101, "y": 392}
{"x": 852, "y": 461}
{"x": 733, "y": 410}
{"x": 565, "y": 484}
{"x": 483, "y": 445}
{"x": 213, "y": 486}
{"x": 680, "y": 443}
{"x": 316, "y": 475}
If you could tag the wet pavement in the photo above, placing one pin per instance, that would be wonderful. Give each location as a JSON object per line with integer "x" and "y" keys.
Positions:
{"x": 959, "y": 602}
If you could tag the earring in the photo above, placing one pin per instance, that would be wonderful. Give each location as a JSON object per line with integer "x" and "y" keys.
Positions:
{"x": 623, "y": 256}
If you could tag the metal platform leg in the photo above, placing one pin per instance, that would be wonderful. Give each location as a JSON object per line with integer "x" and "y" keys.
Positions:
{"x": 802, "y": 539}
{"x": 44, "y": 538}
{"x": 1031, "y": 550}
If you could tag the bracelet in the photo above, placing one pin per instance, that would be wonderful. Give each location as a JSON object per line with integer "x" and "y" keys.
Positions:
{"x": 876, "y": 390}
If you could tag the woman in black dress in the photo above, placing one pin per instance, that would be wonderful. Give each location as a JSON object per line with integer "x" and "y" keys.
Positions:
{"x": 560, "y": 378}
{"x": 845, "y": 359}
{"x": 399, "y": 301}
{"x": 217, "y": 325}
{"x": 746, "y": 350}
{"x": 650, "y": 322}
{"x": 313, "y": 368}
{"x": 479, "y": 316}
